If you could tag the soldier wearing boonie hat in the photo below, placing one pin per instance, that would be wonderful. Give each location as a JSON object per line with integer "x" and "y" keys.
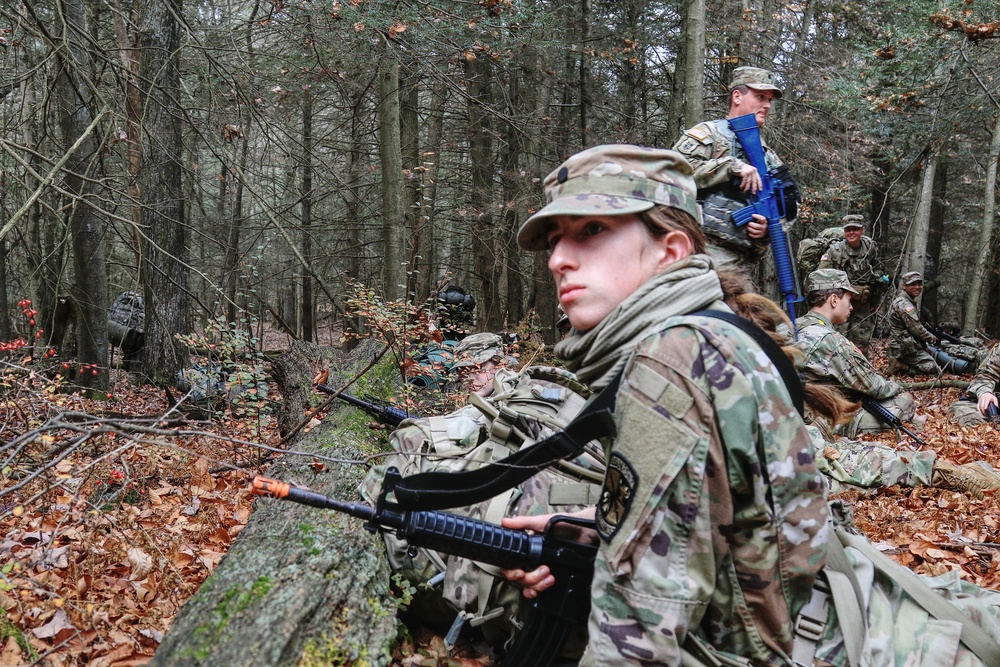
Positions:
{"x": 614, "y": 179}
{"x": 726, "y": 179}
{"x": 626, "y": 254}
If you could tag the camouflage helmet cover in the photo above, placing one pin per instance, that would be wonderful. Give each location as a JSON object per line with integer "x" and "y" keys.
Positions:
{"x": 827, "y": 279}
{"x": 911, "y": 277}
{"x": 614, "y": 179}
{"x": 853, "y": 220}
{"x": 755, "y": 78}
{"x": 478, "y": 349}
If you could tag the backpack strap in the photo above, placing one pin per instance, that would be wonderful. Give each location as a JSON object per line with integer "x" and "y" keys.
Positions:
{"x": 443, "y": 490}
{"x": 974, "y": 637}
{"x": 791, "y": 377}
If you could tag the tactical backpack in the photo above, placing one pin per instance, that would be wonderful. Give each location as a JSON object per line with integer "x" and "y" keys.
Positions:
{"x": 524, "y": 407}
{"x": 811, "y": 250}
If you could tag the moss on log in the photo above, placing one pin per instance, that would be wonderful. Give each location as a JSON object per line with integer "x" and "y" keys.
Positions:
{"x": 299, "y": 586}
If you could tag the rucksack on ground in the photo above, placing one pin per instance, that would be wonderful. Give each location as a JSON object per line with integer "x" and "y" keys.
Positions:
{"x": 811, "y": 250}
{"x": 525, "y": 407}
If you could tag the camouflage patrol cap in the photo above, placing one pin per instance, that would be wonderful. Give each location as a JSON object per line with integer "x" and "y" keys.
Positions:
{"x": 755, "y": 78}
{"x": 824, "y": 279}
{"x": 911, "y": 277}
{"x": 613, "y": 179}
{"x": 478, "y": 349}
{"x": 853, "y": 220}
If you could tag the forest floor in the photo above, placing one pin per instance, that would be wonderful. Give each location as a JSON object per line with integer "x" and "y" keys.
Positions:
{"x": 112, "y": 513}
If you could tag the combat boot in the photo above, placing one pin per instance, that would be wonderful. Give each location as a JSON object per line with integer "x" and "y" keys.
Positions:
{"x": 972, "y": 478}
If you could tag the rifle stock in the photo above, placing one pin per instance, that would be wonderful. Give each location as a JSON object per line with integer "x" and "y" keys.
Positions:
{"x": 554, "y": 613}
{"x": 941, "y": 333}
{"x": 768, "y": 202}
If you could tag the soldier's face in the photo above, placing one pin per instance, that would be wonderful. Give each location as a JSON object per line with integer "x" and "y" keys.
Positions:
{"x": 841, "y": 308}
{"x": 598, "y": 261}
{"x": 853, "y": 236}
{"x": 757, "y": 102}
{"x": 914, "y": 289}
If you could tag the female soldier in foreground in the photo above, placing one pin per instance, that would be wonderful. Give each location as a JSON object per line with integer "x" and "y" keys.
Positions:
{"x": 712, "y": 519}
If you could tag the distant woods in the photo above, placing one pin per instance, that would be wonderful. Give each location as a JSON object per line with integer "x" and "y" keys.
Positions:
{"x": 245, "y": 159}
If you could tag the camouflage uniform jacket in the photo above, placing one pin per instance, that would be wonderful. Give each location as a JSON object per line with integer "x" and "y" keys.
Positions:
{"x": 831, "y": 358}
{"x": 858, "y": 263}
{"x": 717, "y": 157}
{"x": 698, "y": 533}
{"x": 988, "y": 376}
{"x": 905, "y": 329}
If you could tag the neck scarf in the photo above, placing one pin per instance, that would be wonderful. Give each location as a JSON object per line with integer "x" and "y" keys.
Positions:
{"x": 683, "y": 287}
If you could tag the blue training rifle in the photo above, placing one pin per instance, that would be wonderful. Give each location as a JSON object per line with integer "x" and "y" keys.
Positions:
{"x": 770, "y": 203}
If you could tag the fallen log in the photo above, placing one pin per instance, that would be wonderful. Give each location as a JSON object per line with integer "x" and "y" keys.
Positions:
{"x": 299, "y": 585}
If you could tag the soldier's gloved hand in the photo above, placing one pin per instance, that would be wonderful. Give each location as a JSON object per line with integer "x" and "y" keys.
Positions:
{"x": 987, "y": 399}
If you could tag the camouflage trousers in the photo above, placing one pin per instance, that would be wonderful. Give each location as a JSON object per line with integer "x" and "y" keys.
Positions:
{"x": 902, "y": 405}
{"x": 872, "y": 464}
{"x": 908, "y": 357}
{"x": 965, "y": 413}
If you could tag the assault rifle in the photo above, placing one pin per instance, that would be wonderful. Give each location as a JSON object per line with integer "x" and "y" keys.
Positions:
{"x": 941, "y": 333}
{"x": 873, "y": 407}
{"x": 770, "y": 203}
{"x": 553, "y": 614}
{"x": 387, "y": 414}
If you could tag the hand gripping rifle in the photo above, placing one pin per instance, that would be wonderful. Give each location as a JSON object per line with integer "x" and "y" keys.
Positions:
{"x": 387, "y": 414}
{"x": 881, "y": 413}
{"x": 941, "y": 333}
{"x": 770, "y": 203}
{"x": 553, "y": 614}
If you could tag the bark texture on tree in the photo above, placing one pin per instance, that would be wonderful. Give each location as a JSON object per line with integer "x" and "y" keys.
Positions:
{"x": 299, "y": 585}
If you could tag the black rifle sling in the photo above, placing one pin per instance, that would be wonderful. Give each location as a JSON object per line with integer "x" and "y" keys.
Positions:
{"x": 791, "y": 377}
{"x": 444, "y": 490}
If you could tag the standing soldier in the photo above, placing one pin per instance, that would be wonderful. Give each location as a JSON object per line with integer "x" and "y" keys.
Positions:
{"x": 908, "y": 337}
{"x": 855, "y": 255}
{"x": 725, "y": 179}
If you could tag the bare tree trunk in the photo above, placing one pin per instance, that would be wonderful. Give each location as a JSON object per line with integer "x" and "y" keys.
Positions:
{"x": 935, "y": 237}
{"x": 307, "y": 307}
{"x": 393, "y": 214}
{"x": 419, "y": 281}
{"x": 431, "y": 167}
{"x": 694, "y": 59}
{"x": 166, "y": 270}
{"x": 916, "y": 247}
{"x": 488, "y": 267}
{"x": 985, "y": 245}
{"x": 90, "y": 290}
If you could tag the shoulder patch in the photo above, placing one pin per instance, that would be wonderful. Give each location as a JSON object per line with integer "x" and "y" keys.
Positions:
{"x": 699, "y": 133}
{"x": 617, "y": 495}
{"x": 909, "y": 307}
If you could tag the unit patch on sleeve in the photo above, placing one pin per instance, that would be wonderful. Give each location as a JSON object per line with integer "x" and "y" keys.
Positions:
{"x": 616, "y": 496}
